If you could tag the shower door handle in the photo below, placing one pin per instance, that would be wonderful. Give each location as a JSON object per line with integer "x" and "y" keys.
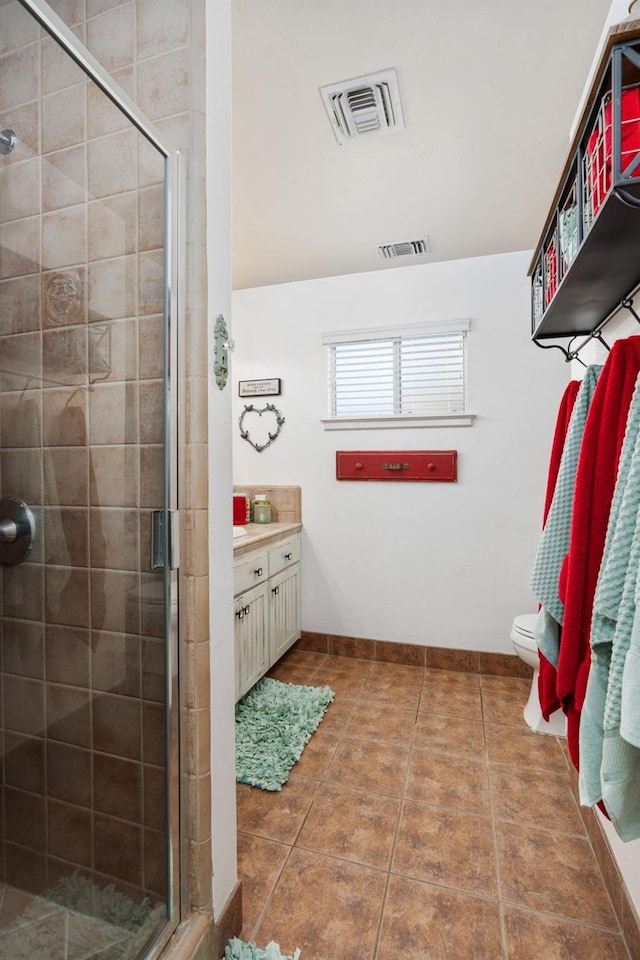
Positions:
{"x": 163, "y": 541}
{"x": 17, "y": 531}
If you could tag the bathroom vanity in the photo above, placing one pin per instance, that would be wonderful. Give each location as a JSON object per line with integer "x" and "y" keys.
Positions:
{"x": 266, "y": 588}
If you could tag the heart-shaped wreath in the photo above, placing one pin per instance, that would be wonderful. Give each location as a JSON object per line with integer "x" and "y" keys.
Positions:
{"x": 272, "y": 434}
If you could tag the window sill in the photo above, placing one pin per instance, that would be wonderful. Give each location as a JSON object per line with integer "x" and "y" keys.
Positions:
{"x": 384, "y": 423}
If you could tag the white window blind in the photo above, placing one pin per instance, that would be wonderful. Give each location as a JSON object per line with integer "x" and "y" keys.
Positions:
{"x": 409, "y": 374}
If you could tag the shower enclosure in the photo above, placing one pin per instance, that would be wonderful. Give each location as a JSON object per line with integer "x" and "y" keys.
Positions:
{"x": 88, "y": 586}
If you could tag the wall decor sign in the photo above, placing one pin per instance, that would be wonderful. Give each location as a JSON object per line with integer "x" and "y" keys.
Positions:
{"x": 266, "y": 430}
{"x": 260, "y": 388}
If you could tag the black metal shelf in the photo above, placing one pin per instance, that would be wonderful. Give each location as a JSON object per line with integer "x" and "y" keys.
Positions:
{"x": 605, "y": 270}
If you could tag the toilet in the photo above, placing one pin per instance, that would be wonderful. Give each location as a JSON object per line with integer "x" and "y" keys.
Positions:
{"x": 523, "y": 637}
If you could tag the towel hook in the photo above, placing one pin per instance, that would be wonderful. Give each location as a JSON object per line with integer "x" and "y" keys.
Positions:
{"x": 568, "y": 357}
{"x": 628, "y": 305}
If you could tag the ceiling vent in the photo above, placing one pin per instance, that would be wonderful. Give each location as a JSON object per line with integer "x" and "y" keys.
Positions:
{"x": 408, "y": 248}
{"x": 364, "y": 105}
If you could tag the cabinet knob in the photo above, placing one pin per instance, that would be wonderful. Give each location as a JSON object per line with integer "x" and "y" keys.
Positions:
{"x": 359, "y": 466}
{"x": 431, "y": 466}
{"x": 258, "y": 572}
{"x": 288, "y": 556}
{"x": 275, "y": 590}
{"x": 246, "y": 610}
{"x": 240, "y": 613}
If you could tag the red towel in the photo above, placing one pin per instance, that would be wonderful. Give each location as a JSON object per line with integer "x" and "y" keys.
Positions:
{"x": 547, "y": 694}
{"x": 595, "y": 481}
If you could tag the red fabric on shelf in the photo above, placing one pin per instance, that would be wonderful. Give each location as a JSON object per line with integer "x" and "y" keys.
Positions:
{"x": 547, "y": 694}
{"x": 595, "y": 482}
{"x": 600, "y": 142}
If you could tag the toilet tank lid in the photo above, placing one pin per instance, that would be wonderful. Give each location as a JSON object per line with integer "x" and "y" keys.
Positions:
{"x": 525, "y": 623}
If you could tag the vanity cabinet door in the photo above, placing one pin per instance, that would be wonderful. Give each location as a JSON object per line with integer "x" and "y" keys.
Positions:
{"x": 251, "y": 639}
{"x": 284, "y": 611}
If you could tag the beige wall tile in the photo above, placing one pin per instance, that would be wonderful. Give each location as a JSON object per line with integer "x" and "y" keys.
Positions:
{"x": 68, "y": 714}
{"x": 25, "y": 118}
{"x": 22, "y": 476}
{"x": 103, "y": 116}
{"x": 64, "y": 297}
{"x": 94, "y": 7}
{"x": 20, "y": 186}
{"x": 152, "y": 346}
{"x": 115, "y": 601}
{"x": 66, "y": 536}
{"x": 20, "y": 248}
{"x": 151, "y": 218}
{"x": 151, "y": 477}
{"x": 113, "y": 350}
{"x": 17, "y": 28}
{"x": 65, "y": 355}
{"x": 71, "y": 11}
{"x": 113, "y": 476}
{"x": 112, "y": 164}
{"x": 151, "y": 273}
{"x": 66, "y": 477}
{"x": 113, "y": 288}
{"x": 151, "y": 411}
{"x": 111, "y": 36}
{"x": 65, "y": 417}
{"x": 163, "y": 85}
{"x": 63, "y": 119}
{"x": 113, "y": 413}
{"x": 115, "y": 663}
{"x": 20, "y": 76}
{"x": 20, "y": 361}
{"x": 20, "y": 304}
{"x": 67, "y": 656}
{"x": 58, "y": 70}
{"x": 161, "y": 27}
{"x": 24, "y": 705}
{"x": 21, "y": 419}
{"x": 67, "y": 596}
{"x": 114, "y": 539}
{"x": 64, "y": 178}
{"x": 64, "y": 237}
{"x": 113, "y": 227}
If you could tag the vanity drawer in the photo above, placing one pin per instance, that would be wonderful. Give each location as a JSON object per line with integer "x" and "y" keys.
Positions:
{"x": 283, "y": 554}
{"x": 249, "y": 572}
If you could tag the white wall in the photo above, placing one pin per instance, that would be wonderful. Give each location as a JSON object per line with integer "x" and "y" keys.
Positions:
{"x": 435, "y": 564}
{"x": 223, "y": 787}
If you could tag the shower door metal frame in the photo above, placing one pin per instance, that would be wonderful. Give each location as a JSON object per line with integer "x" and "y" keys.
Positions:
{"x": 173, "y": 269}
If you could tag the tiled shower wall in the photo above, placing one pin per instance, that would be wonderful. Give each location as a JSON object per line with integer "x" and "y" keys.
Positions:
{"x": 84, "y": 779}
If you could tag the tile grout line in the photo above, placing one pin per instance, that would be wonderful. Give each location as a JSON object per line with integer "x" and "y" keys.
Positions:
{"x": 394, "y": 843}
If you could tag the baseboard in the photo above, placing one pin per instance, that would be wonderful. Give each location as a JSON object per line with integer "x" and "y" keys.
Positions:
{"x": 622, "y": 903}
{"x": 437, "y": 658}
{"x": 228, "y": 924}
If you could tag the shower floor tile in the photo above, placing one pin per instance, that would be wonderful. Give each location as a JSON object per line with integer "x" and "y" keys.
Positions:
{"x": 438, "y": 845}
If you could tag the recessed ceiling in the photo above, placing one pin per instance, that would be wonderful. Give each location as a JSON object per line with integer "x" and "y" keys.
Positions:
{"x": 489, "y": 89}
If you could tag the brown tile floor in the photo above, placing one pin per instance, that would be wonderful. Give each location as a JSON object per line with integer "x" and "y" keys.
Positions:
{"x": 424, "y": 821}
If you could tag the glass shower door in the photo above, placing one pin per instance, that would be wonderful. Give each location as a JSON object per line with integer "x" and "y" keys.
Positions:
{"x": 87, "y": 868}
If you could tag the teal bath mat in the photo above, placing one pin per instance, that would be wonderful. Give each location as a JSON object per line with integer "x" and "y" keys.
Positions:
{"x": 273, "y": 723}
{"x": 239, "y": 950}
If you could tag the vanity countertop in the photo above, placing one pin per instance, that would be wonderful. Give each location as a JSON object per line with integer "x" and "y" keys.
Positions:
{"x": 259, "y": 534}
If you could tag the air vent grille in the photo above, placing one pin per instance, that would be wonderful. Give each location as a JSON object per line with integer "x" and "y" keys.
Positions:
{"x": 364, "y": 105}
{"x": 408, "y": 248}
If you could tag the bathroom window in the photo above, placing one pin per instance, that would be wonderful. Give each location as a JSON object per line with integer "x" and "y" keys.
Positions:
{"x": 404, "y": 376}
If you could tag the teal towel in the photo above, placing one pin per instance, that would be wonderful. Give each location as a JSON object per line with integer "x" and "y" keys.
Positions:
{"x": 610, "y": 721}
{"x": 554, "y": 541}
{"x": 241, "y": 950}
